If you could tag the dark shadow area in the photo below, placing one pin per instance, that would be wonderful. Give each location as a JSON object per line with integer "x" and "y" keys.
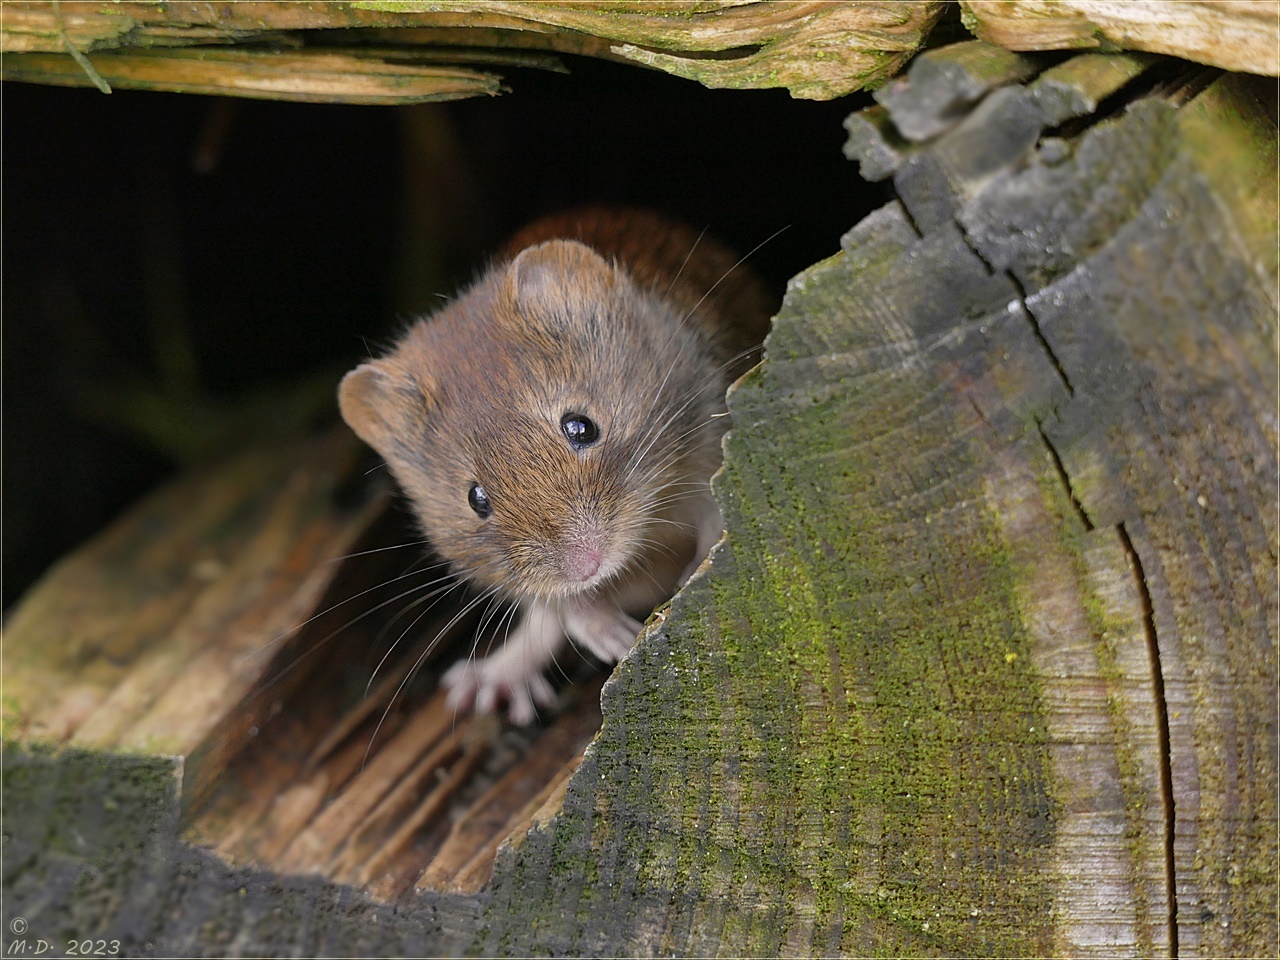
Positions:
{"x": 166, "y": 257}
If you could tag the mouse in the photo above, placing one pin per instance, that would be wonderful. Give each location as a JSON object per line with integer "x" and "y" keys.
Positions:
{"x": 555, "y": 428}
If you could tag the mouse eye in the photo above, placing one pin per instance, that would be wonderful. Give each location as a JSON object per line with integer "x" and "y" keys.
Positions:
{"x": 579, "y": 430}
{"x": 479, "y": 501}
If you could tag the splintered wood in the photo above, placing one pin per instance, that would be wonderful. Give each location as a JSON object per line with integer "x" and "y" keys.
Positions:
{"x": 413, "y": 799}
{"x": 245, "y": 620}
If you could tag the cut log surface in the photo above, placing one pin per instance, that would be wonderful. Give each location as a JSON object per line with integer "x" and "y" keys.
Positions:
{"x": 985, "y": 664}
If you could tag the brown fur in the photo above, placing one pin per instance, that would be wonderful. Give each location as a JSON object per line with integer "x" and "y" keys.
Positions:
{"x": 614, "y": 323}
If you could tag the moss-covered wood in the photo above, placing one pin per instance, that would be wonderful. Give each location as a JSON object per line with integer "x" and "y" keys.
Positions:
{"x": 404, "y": 52}
{"x": 985, "y": 664}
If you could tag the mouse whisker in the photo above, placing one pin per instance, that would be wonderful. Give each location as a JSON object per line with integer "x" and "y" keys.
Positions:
{"x": 434, "y": 597}
{"x": 741, "y": 260}
{"x": 318, "y": 645}
{"x": 650, "y": 415}
{"x": 680, "y": 324}
{"x": 655, "y": 433}
{"x": 471, "y": 605}
{"x": 685, "y": 262}
{"x": 394, "y": 546}
{"x": 443, "y": 587}
{"x": 690, "y": 431}
{"x": 245, "y": 657}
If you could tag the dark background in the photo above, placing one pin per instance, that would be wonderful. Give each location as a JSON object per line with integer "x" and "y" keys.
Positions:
{"x": 287, "y": 241}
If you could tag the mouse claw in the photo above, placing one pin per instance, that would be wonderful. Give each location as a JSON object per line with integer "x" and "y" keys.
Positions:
{"x": 486, "y": 698}
{"x": 462, "y": 689}
{"x": 482, "y": 684}
{"x": 520, "y": 709}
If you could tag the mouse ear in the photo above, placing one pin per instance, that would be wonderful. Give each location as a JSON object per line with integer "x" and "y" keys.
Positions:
{"x": 559, "y": 273}
{"x": 375, "y": 402}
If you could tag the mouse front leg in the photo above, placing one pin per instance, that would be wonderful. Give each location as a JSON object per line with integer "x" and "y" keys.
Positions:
{"x": 516, "y": 671}
{"x": 600, "y": 627}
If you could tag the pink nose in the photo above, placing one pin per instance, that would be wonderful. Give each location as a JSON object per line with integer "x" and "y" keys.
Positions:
{"x": 583, "y": 561}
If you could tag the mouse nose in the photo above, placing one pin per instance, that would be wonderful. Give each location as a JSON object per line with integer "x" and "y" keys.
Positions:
{"x": 584, "y": 556}
{"x": 583, "y": 564}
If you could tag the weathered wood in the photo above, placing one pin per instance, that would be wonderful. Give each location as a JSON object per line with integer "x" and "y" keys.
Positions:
{"x": 1078, "y": 87}
{"x": 929, "y": 696}
{"x": 1167, "y": 447}
{"x": 1130, "y": 348}
{"x": 951, "y": 84}
{"x": 816, "y": 50}
{"x": 303, "y": 76}
{"x": 942, "y": 85}
{"x": 151, "y": 637}
{"x": 1239, "y": 35}
{"x": 986, "y": 662}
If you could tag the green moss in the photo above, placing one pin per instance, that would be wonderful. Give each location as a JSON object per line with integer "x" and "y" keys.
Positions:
{"x": 843, "y": 711}
{"x": 70, "y": 801}
{"x": 10, "y": 716}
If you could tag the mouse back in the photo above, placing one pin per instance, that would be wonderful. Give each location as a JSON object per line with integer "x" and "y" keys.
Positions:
{"x": 714, "y": 287}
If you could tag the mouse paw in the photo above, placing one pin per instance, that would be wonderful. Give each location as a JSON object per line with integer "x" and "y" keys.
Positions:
{"x": 483, "y": 684}
{"x": 605, "y": 632}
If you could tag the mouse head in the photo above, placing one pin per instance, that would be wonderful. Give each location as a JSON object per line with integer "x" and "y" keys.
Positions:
{"x": 547, "y": 423}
